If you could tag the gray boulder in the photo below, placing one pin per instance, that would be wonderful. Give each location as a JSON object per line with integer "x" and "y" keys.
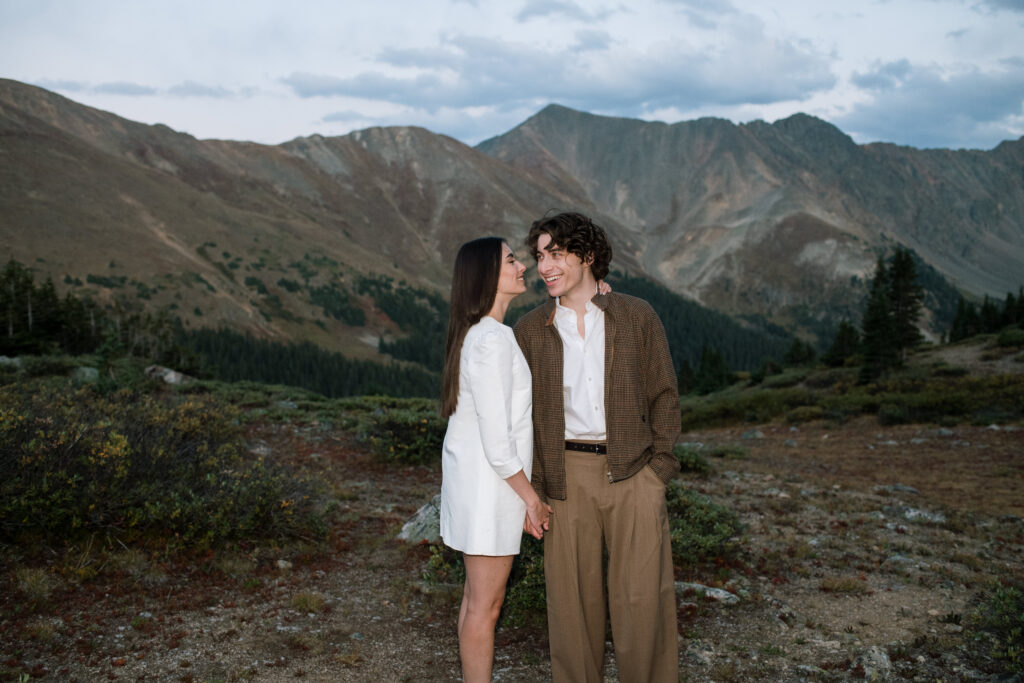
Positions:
{"x": 167, "y": 375}
{"x": 425, "y": 525}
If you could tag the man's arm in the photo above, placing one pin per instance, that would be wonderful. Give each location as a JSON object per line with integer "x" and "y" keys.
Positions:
{"x": 537, "y": 476}
{"x": 662, "y": 398}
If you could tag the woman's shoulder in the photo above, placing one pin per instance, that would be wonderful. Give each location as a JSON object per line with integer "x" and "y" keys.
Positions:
{"x": 488, "y": 332}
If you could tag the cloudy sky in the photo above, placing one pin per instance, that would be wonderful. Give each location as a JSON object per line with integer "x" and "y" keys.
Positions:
{"x": 926, "y": 73}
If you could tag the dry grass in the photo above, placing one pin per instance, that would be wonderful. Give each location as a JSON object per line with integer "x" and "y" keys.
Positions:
{"x": 35, "y": 585}
{"x": 845, "y": 586}
{"x": 309, "y": 603}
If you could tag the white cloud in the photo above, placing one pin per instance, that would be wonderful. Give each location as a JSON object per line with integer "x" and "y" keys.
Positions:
{"x": 193, "y": 89}
{"x": 124, "y": 88}
{"x": 933, "y": 106}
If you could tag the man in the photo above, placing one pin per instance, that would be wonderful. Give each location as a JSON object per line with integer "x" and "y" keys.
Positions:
{"x": 605, "y": 419}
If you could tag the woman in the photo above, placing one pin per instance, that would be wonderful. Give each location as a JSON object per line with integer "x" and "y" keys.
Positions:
{"x": 486, "y": 497}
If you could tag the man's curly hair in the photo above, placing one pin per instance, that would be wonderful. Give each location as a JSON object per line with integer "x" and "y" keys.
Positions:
{"x": 578, "y": 235}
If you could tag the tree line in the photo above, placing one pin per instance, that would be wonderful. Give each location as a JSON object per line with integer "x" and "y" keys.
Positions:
{"x": 231, "y": 356}
{"x": 35, "y": 320}
{"x": 971, "y": 319}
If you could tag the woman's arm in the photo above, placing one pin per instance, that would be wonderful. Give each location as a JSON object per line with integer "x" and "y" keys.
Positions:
{"x": 538, "y": 513}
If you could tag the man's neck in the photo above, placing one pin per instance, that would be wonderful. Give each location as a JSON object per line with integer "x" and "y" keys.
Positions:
{"x": 580, "y": 296}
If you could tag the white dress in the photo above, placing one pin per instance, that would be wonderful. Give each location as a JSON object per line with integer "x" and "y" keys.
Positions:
{"x": 489, "y": 438}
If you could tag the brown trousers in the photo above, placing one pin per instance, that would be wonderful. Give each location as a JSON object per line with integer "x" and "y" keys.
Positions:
{"x": 629, "y": 517}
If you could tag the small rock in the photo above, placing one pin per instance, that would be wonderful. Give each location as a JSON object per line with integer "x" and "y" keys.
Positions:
{"x": 716, "y": 594}
{"x": 284, "y": 565}
{"x": 84, "y": 374}
{"x": 789, "y": 443}
{"x": 918, "y": 441}
{"x": 994, "y": 428}
{"x": 425, "y": 525}
{"x": 897, "y": 488}
{"x": 700, "y": 653}
{"x": 167, "y": 375}
{"x": 753, "y": 434}
{"x": 286, "y": 405}
{"x": 260, "y": 448}
{"x": 898, "y": 560}
{"x": 875, "y": 663}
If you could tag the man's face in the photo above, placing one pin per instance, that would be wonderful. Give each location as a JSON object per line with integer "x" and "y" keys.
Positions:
{"x": 562, "y": 271}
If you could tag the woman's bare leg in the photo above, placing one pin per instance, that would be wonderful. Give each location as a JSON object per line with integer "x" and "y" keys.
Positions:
{"x": 482, "y": 596}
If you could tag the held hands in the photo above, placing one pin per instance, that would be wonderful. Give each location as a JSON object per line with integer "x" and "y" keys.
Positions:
{"x": 538, "y": 519}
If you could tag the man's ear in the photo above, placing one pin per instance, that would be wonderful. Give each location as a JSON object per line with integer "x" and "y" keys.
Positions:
{"x": 589, "y": 261}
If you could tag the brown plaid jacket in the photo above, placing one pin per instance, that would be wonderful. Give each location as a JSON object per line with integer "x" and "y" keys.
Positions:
{"x": 640, "y": 397}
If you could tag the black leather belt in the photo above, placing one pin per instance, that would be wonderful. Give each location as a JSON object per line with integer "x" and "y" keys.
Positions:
{"x": 598, "y": 448}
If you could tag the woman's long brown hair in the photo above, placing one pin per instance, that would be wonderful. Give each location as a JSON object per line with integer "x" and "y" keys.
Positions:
{"x": 474, "y": 287}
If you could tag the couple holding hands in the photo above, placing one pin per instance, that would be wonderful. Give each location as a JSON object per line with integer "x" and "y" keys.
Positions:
{"x": 562, "y": 428}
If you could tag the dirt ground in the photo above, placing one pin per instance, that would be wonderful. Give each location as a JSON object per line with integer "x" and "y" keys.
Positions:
{"x": 865, "y": 547}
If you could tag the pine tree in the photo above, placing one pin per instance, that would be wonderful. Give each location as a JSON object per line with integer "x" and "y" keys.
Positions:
{"x": 686, "y": 381}
{"x": 799, "y": 353}
{"x": 1009, "y": 313}
{"x": 712, "y": 373}
{"x": 990, "y": 318}
{"x": 845, "y": 344}
{"x": 905, "y": 296}
{"x": 878, "y": 329}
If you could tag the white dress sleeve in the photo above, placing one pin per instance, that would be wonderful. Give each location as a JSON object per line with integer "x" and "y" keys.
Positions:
{"x": 490, "y": 382}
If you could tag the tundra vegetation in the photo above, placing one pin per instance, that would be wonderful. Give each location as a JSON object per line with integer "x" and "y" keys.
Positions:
{"x": 111, "y": 478}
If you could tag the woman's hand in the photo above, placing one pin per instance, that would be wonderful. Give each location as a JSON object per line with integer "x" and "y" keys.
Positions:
{"x": 603, "y": 287}
{"x": 538, "y": 519}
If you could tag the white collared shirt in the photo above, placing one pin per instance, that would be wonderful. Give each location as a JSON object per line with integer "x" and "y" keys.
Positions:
{"x": 582, "y": 372}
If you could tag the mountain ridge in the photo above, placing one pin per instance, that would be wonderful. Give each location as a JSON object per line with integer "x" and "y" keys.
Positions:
{"x": 775, "y": 220}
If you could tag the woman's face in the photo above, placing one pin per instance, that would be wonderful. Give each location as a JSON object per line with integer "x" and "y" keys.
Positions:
{"x": 510, "y": 279}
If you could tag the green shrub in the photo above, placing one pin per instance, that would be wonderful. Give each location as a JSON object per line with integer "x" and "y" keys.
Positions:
{"x": 691, "y": 460}
{"x": 789, "y": 378}
{"x": 1011, "y": 336}
{"x": 751, "y": 405}
{"x": 74, "y": 461}
{"x": 892, "y": 414}
{"x": 728, "y": 451}
{"x": 702, "y": 531}
{"x": 407, "y": 435}
{"x": 42, "y": 366}
{"x": 997, "y": 624}
{"x": 525, "y": 597}
{"x": 805, "y": 414}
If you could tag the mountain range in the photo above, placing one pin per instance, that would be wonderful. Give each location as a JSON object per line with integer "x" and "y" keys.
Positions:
{"x": 773, "y": 223}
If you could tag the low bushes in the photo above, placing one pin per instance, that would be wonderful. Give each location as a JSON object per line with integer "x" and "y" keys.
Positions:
{"x": 702, "y": 531}
{"x": 405, "y": 430}
{"x": 915, "y": 394}
{"x": 1011, "y": 336}
{"x": 997, "y": 625}
{"x": 74, "y": 462}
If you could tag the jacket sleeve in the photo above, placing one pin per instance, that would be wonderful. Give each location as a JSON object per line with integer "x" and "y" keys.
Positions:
{"x": 662, "y": 397}
{"x": 489, "y": 363}
{"x": 537, "y": 476}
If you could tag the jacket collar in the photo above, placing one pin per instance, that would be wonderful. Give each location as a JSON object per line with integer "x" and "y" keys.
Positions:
{"x": 602, "y": 301}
